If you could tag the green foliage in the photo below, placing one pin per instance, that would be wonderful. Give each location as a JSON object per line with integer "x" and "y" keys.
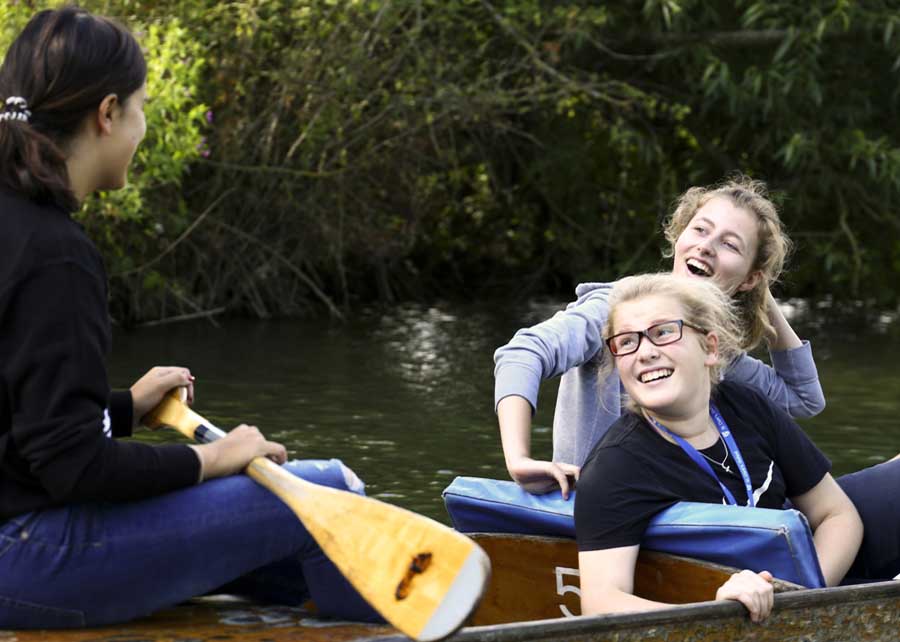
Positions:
{"x": 141, "y": 220}
{"x": 422, "y": 148}
{"x": 13, "y": 17}
{"x": 808, "y": 110}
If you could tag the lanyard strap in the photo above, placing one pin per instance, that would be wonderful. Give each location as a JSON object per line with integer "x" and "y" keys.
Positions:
{"x": 735, "y": 451}
{"x": 730, "y": 443}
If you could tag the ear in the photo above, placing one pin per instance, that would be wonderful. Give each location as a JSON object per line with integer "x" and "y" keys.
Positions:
{"x": 712, "y": 349}
{"x": 106, "y": 112}
{"x": 750, "y": 282}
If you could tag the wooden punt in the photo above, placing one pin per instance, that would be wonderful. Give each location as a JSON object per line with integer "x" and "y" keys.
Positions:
{"x": 533, "y": 595}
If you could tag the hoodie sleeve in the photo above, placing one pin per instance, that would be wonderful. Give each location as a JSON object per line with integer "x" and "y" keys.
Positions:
{"x": 568, "y": 339}
{"x": 791, "y": 382}
{"x": 120, "y": 411}
{"x": 62, "y": 423}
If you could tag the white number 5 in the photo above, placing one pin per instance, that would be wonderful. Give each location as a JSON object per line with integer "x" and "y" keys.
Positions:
{"x": 562, "y": 588}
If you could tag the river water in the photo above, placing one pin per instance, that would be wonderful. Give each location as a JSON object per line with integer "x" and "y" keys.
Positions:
{"x": 404, "y": 396}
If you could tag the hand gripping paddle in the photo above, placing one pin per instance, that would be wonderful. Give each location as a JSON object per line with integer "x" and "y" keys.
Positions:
{"x": 424, "y": 578}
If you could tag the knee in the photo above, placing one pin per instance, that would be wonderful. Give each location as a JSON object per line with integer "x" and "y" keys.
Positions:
{"x": 327, "y": 472}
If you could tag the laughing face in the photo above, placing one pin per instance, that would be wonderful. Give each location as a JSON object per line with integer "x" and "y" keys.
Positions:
{"x": 719, "y": 243}
{"x": 669, "y": 381}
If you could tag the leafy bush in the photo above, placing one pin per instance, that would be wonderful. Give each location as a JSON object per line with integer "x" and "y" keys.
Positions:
{"x": 388, "y": 150}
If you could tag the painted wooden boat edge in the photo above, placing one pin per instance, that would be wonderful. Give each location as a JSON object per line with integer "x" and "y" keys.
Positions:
{"x": 885, "y": 596}
{"x": 869, "y": 612}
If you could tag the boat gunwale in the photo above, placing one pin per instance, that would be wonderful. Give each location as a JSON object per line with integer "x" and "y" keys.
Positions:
{"x": 678, "y": 614}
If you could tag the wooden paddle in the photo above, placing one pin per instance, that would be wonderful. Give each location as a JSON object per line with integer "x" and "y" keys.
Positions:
{"x": 424, "y": 578}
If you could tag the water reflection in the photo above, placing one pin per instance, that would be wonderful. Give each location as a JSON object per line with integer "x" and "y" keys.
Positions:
{"x": 405, "y": 396}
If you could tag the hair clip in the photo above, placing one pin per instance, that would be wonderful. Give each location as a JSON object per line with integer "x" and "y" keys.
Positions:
{"x": 15, "y": 108}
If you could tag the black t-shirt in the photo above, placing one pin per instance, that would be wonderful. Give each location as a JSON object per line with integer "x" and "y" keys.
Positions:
{"x": 633, "y": 472}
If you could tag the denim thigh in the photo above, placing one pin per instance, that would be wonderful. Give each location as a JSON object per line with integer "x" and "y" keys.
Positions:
{"x": 101, "y": 563}
{"x": 875, "y": 491}
{"x": 15, "y": 611}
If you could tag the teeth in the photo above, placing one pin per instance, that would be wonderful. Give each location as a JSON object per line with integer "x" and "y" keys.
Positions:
{"x": 698, "y": 267}
{"x": 653, "y": 375}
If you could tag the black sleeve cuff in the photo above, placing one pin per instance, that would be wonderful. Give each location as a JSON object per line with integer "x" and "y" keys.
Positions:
{"x": 184, "y": 467}
{"x": 121, "y": 413}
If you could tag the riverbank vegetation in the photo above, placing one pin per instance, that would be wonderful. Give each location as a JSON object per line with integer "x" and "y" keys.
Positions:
{"x": 304, "y": 156}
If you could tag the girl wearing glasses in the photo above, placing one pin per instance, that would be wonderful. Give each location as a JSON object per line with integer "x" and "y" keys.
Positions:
{"x": 730, "y": 236}
{"x": 687, "y": 436}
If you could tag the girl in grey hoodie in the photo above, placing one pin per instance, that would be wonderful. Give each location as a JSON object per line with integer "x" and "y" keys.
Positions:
{"x": 730, "y": 234}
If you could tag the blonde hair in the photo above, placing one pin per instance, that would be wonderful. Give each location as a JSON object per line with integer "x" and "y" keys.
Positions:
{"x": 703, "y": 305}
{"x": 772, "y": 250}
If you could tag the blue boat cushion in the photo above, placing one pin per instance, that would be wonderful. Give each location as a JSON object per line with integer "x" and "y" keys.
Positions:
{"x": 778, "y": 541}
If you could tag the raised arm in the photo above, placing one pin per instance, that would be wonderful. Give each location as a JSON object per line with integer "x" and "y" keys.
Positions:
{"x": 785, "y": 338}
{"x": 836, "y": 525}
{"x": 792, "y": 381}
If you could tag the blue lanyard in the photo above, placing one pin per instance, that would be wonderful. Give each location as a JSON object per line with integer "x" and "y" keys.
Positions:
{"x": 730, "y": 443}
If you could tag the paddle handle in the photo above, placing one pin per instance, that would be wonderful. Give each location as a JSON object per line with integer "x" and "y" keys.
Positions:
{"x": 263, "y": 471}
{"x": 204, "y": 433}
{"x": 179, "y": 416}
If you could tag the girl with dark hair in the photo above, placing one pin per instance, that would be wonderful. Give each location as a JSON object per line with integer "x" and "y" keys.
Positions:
{"x": 78, "y": 507}
{"x": 54, "y": 76}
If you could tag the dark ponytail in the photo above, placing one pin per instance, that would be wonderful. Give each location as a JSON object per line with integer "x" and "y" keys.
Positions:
{"x": 63, "y": 64}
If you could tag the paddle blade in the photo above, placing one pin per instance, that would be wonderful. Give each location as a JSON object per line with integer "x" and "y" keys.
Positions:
{"x": 423, "y": 577}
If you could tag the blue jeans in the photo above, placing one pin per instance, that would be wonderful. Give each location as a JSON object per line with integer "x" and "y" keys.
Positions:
{"x": 875, "y": 492}
{"x": 94, "y": 564}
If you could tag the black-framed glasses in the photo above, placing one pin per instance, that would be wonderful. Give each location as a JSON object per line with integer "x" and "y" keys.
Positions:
{"x": 659, "y": 334}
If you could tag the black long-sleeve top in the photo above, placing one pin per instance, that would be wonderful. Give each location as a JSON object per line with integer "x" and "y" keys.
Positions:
{"x": 58, "y": 418}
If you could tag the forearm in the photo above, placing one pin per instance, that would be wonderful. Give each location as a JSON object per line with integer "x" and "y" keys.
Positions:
{"x": 535, "y": 476}
{"x": 233, "y": 453}
{"x": 785, "y": 338}
{"x": 121, "y": 413}
{"x": 791, "y": 382}
{"x": 119, "y": 470}
{"x": 837, "y": 541}
{"x": 514, "y": 417}
{"x": 613, "y": 600}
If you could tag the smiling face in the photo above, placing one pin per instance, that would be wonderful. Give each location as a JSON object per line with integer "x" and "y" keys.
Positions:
{"x": 672, "y": 381}
{"x": 719, "y": 243}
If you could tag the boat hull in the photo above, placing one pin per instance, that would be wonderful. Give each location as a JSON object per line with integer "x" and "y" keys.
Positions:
{"x": 866, "y": 613}
{"x": 536, "y": 577}
{"x": 533, "y": 593}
